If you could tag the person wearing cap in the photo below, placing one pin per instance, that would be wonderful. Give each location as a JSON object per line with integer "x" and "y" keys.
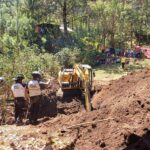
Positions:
{"x": 35, "y": 94}
{"x": 19, "y": 91}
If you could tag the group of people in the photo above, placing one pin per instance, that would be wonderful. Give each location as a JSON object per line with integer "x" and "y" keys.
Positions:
{"x": 113, "y": 55}
{"x": 27, "y": 97}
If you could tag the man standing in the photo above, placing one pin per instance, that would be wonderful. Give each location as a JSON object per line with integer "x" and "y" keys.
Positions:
{"x": 35, "y": 93}
{"x": 123, "y": 62}
{"x": 19, "y": 93}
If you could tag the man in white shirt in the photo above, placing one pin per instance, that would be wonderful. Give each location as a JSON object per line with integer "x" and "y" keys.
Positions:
{"x": 19, "y": 91}
{"x": 35, "y": 93}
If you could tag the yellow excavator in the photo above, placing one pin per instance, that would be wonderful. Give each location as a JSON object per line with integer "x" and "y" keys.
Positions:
{"x": 77, "y": 78}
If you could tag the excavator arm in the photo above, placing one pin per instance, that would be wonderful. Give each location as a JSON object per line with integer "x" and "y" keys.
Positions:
{"x": 85, "y": 74}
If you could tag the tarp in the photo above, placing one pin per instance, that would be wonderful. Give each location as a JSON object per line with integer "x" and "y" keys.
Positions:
{"x": 62, "y": 28}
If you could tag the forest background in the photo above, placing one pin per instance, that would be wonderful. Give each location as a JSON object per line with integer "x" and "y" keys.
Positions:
{"x": 47, "y": 34}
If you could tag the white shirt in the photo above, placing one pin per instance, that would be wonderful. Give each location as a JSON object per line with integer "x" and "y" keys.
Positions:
{"x": 34, "y": 88}
{"x": 18, "y": 90}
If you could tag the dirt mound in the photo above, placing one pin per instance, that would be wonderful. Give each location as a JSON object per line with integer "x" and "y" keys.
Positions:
{"x": 128, "y": 101}
{"x": 125, "y": 90}
{"x": 69, "y": 106}
{"x": 120, "y": 121}
{"x": 53, "y": 104}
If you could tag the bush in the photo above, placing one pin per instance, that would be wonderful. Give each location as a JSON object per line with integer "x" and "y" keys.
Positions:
{"x": 68, "y": 57}
{"x": 89, "y": 57}
{"x": 12, "y": 63}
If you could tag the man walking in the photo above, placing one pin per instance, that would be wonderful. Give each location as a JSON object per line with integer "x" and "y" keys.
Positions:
{"x": 19, "y": 93}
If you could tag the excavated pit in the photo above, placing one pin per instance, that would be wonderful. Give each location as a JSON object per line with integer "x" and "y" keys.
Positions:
{"x": 51, "y": 105}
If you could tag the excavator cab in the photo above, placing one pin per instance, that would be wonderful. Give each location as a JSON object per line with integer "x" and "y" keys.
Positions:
{"x": 67, "y": 79}
{"x": 74, "y": 78}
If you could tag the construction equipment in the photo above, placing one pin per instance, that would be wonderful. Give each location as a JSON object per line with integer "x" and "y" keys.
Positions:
{"x": 78, "y": 78}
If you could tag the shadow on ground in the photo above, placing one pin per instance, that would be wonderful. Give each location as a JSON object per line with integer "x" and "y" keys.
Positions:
{"x": 135, "y": 142}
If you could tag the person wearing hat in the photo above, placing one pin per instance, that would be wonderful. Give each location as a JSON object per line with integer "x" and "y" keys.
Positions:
{"x": 19, "y": 91}
{"x": 35, "y": 94}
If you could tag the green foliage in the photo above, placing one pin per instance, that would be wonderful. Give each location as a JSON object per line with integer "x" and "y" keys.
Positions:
{"x": 27, "y": 61}
{"x": 112, "y": 23}
{"x": 89, "y": 57}
{"x": 67, "y": 56}
{"x": 89, "y": 42}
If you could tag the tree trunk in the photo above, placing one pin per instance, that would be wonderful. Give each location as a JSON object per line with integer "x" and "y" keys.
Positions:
{"x": 112, "y": 40}
{"x": 112, "y": 35}
{"x": 72, "y": 23}
{"x": 104, "y": 39}
{"x": 131, "y": 35}
{"x": 17, "y": 26}
{"x": 65, "y": 17}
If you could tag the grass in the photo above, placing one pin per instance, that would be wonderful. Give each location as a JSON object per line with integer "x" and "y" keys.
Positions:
{"x": 112, "y": 72}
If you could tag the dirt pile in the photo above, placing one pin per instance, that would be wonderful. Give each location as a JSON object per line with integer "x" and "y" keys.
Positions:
{"x": 52, "y": 103}
{"x": 127, "y": 103}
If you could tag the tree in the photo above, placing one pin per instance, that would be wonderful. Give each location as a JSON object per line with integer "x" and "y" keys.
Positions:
{"x": 68, "y": 8}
